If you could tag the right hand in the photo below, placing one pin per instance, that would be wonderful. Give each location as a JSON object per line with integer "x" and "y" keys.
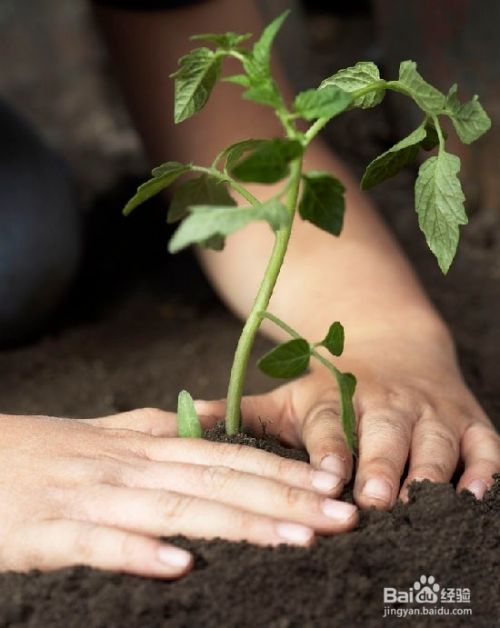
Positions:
{"x": 100, "y": 492}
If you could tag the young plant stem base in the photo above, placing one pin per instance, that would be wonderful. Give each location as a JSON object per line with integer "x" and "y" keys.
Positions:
{"x": 254, "y": 320}
{"x": 206, "y": 211}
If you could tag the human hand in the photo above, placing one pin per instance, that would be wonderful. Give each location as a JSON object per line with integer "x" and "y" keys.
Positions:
{"x": 101, "y": 492}
{"x": 412, "y": 406}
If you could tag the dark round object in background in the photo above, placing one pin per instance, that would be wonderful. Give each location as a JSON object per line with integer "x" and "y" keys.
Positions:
{"x": 40, "y": 230}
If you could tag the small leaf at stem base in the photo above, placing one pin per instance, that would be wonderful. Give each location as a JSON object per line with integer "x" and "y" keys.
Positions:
{"x": 188, "y": 423}
{"x": 334, "y": 340}
{"x": 287, "y": 360}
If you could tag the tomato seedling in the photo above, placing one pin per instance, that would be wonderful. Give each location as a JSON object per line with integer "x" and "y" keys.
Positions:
{"x": 207, "y": 212}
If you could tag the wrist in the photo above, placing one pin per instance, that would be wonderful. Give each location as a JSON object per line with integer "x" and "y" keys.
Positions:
{"x": 412, "y": 333}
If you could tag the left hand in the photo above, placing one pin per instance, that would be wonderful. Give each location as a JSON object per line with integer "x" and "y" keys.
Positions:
{"x": 412, "y": 407}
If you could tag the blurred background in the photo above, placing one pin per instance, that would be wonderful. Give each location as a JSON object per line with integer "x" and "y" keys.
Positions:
{"x": 56, "y": 73}
{"x": 59, "y": 84}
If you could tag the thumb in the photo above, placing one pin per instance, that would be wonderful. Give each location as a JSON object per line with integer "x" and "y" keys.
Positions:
{"x": 146, "y": 420}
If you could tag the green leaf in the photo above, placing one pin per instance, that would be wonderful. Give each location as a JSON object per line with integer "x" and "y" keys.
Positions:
{"x": 431, "y": 137}
{"x": 361, "y": 75}
{"x": 347, "y": 387}
{"x": 262, "y": 47}
{"x": 322, "y": 201}
{"x": 290, "y": 359}
{"x": 234, "y": 153}
{"x": 322, "y": 103}
{"x": 260, "y": 85}
{"x": 428, "y": 98}
{"x": 263, "y": 92}
{"x": 163, "y": 176}
{"x": 334, "y": 340}
{"x": 194, "y": 81}
{"x": 469, "y": 119}
{"x": 226, "y": 41}
{"x": 207, "y": 221}
{"x": 439, "y": 203}
{"x": 392, "y": 161}
{"x": 188, "y": 423}
{"x": 237, "y": 79}
{"x": 204, "y": 190}
{"x": 268, "y": 162}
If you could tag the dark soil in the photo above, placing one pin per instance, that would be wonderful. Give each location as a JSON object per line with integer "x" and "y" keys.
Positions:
{"x": 336, "y": 583}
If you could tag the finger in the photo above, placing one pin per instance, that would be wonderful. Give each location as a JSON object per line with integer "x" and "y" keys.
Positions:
{"x": 239, "y": 457}
{"x": 384, "y": 442}
{"x": 147, "y": 420}
{"x": 60, "y": 543}
{"x": 165, "y": 513}
{"x": 245, "y": 491}
{"x": 481, "y": 454}
{"x": 320, "y": 432}
{"x": 325, "y": 442}
{"x": 434, "y": 453}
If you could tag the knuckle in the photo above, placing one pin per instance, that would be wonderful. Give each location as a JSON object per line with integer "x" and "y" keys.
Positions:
{"x": 138, "y": 445}
{"x": 153, "y": 414}
{"x": 113, "y": 474}
{"x": 445, "y": 439}
{"x": 218, "y": 477}
{"x": 479, "y": 430}
{"x": 244, "y": 521}
{"x": 326, "y": 413}
{"x": 402, "y": 398}
{"x": 431, "y": 470}
{"x": 285, "y": 468}
{"x": 436, "y": 435}
{"x": 296, "y": 499}
{"x": 126, "y": 548}
{"x": 173, "y": 506}
{"x": 388, "y": 426}
{"x": 382, "y": 465}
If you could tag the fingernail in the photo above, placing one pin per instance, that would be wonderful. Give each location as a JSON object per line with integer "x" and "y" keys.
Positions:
{"x": 295, "y": 533}
{"x": 340, "y": 511}
{"x": 477, "y": 488}
{"x": 324, "y": 481}
{"x": 334, "y": 464}
{"x": 174, "y": 556}
{"x": 376, "y": 488}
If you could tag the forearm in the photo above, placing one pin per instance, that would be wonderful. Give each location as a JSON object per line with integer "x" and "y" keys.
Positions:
{"x": 361, "y": 278}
